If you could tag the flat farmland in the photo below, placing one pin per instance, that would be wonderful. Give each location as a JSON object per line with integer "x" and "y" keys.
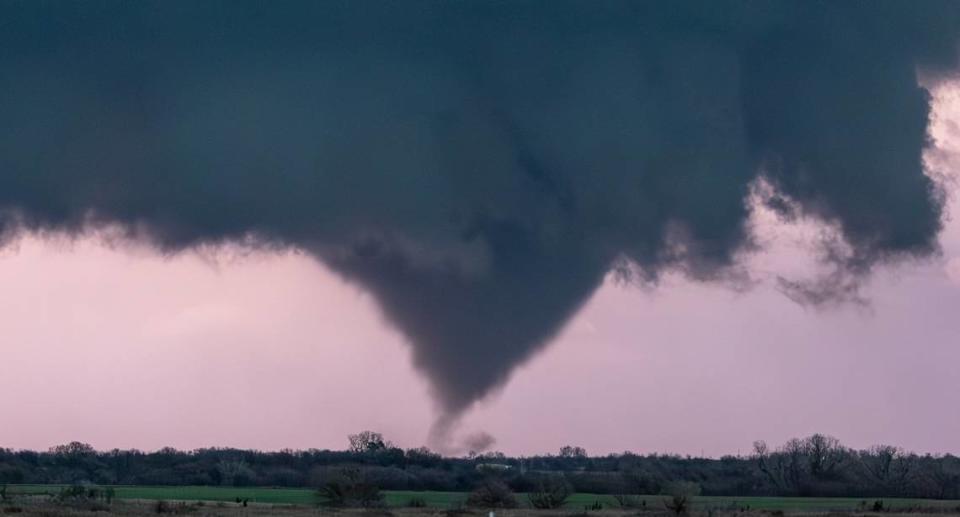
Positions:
{"x": 303, "y": 496}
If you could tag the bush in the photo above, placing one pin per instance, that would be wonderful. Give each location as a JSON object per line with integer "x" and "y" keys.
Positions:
{"x": 350, "y": 487}
{"x": 681, "y": 496}
{"x": 551, "y": 493}
{"x": 492, "y": 493}
{"x": 417, "y": 502}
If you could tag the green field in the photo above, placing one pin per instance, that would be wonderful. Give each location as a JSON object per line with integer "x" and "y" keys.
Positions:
{"x": 301, "y": 496}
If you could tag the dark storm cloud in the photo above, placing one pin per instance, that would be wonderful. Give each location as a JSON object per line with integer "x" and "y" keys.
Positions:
{"x": 478, "y": 166}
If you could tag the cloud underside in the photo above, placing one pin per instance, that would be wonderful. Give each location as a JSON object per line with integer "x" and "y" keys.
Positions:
{"x": 478, "y": 167}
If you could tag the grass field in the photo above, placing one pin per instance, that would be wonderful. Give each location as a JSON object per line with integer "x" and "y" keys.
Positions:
{"x": 452, "y": 499}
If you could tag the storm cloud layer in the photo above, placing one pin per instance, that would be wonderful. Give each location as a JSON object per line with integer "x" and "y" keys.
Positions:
{"x": 479, "y": 167}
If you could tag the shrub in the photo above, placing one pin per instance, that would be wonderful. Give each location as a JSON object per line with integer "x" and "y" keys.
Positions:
{"x": 551, "y": 493}
{"x": 350, "y": 487}
{"x": 681, "y": 496}
{"x": 492, "y": 493}
{"x": 417, "y": 502}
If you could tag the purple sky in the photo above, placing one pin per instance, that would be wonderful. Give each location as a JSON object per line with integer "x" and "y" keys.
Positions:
{"x": 119, "y": 347}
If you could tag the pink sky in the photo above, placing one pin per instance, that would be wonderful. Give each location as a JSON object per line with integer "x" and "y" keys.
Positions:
{"x": 118, "y": 347}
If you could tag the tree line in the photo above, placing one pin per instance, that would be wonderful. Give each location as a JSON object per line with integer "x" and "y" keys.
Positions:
{"x": 817, "y": 465}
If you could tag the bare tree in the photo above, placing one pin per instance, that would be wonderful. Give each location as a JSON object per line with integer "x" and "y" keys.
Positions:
{"x": 799, "y": 463}
{"x": 943, "y": 475}
{"x": 235, "y": 473}
{"x": 887, "y": 466}
{"x": 73, "y": 449}
{"x": 571, "y": 451}
{"x": 368, "y": 441}
{"x": 781, "y": 467}
{"x": 767, "y": 463}
{"x": 792, "y": 456}
{"x": 681, "y": 496}
{"x": 825, "y": 455}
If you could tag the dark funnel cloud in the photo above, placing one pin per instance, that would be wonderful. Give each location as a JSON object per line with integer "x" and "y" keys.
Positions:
{"x": 478, "y": 166}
